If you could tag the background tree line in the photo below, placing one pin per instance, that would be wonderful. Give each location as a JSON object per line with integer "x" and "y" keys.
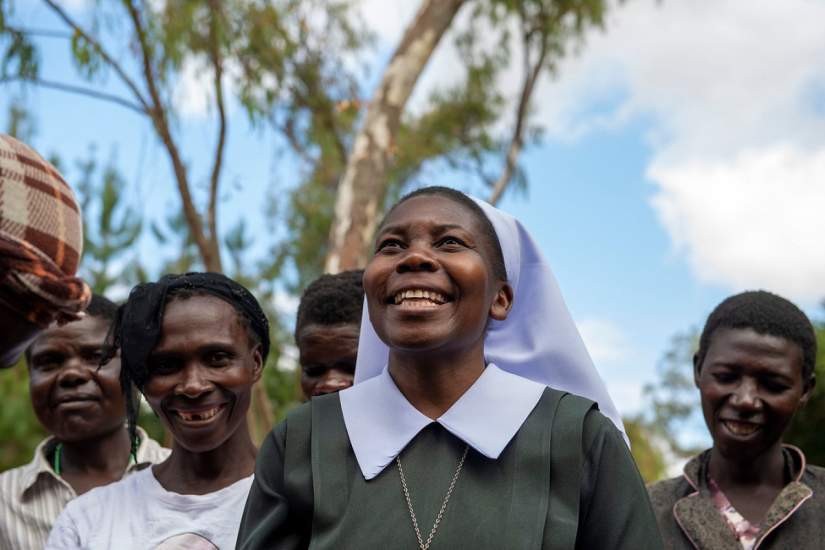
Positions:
{"x": 295, "y": 69}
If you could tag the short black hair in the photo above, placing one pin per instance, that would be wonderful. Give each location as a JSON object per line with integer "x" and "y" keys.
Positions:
{"x": 99, "y": 307}
{"x": 332, "y": 300}
{"x": 487, "y": 229}
{"x": 102, "y": 307}
{"x": 184, "y": 293}
{"x": 765, "y": 313}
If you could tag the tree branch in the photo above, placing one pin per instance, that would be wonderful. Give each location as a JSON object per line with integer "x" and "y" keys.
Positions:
{"x": 46, "y": 33}
{"x": 363, "y": 186}
{"x": 217, "y": 64}
{"x": 99, "y": 48}
{"x": 77, "y": 90}
{"x": 211, "y": 261}
{"x": 531, "y": 75}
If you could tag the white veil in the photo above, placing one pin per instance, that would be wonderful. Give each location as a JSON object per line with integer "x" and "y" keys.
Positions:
{"x": 538, "y": 340}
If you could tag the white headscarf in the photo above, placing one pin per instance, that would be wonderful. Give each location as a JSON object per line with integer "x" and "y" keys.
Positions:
{"x": 538, "y": 340}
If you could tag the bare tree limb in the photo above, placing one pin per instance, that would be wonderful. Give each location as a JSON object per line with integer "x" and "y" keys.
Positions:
{"x": 217, "y": 66}
{"x": 45, "y": 33}
{"x": 363, "y": 186}
{"x": 532, "y": 70}
{"x": 211, "y": 261}
{"x": 103, "y": 54}
{"x": 80, "y": 90}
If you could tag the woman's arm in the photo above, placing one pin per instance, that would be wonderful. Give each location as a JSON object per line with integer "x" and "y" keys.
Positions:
{"x": 615, "y": 511}
{"x": 270, "y": 519}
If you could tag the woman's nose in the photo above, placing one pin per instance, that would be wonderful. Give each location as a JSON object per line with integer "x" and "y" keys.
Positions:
{"x": 193, "y": 383}
{"x": 416, "y": 258}
{"x": 74, "y": 372}
{"x": 746, "y": 395}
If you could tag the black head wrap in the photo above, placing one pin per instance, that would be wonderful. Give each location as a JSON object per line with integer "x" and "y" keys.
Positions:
{"x": 137, "y": 328}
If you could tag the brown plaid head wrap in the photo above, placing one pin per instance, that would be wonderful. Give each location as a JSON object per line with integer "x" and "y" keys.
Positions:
{"x": 41, "y": 238}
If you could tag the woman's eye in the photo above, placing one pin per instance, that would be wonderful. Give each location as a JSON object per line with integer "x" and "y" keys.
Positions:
{"x": 219, "y": 358}
{"x": 163, "y": 367}
{"x": 313, "y": 371}
{"x": 724, "y": 377}
{"x": 451, "y": 241}
{"x": 774, "y": 387}
{"x": 388, "y": 244}
{"x": 93, "y": 356}
{"x": 48, "y": 362}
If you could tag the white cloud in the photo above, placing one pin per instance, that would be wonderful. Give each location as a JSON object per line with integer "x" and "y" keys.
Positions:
{"x": 617, "y": 361}
{"x": 192, "y": 96}
{"x": 733, "y": 95}
{"x": 733, "y": 92}
{"x": 604, "y": 340}
{"x": 754, "y": 220}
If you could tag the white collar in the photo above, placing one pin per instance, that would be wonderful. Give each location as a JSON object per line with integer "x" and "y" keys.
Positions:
{"x": 380, "y": 421}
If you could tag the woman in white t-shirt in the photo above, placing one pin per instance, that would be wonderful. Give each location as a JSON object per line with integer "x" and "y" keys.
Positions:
{"x": 193, "y": 345}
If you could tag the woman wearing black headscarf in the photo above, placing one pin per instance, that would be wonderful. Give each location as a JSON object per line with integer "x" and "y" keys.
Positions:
{"x": 193, "y": 345}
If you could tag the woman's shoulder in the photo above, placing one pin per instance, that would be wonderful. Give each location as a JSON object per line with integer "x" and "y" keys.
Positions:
{"x": 666, "y": 492}
{"x": 296, "y": 427}
{"x": 814, "y": 477}
{"x": 88, "y": 508}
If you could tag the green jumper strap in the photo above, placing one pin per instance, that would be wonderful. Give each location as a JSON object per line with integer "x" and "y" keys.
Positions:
{"x": 566, "y": 471}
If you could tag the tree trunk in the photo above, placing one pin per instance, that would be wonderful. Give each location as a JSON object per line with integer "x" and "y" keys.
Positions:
{"x": 363, "y": 187}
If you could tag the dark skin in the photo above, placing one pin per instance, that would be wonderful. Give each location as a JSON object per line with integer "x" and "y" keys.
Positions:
{"x": 751, "y": 385}
{"x": 327, "y": 357}
{"x": 80, "y": 404}
{"x": 434, "y": 246}
{"x": 202, "y": 373}
{"x": 15, "y": 336}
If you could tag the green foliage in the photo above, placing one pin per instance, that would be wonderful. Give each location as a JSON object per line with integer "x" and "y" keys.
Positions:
{"x": 457, "y": 131}
{"x": 804, "y": 430}
{"x": 674, "y": 400}
{"x": 648, "y": 458}
{"x": 111, "y": 227}
{"x": 20, "y": 431}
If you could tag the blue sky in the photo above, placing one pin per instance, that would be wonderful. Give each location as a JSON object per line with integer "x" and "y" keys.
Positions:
{"x": 683, "y": 160}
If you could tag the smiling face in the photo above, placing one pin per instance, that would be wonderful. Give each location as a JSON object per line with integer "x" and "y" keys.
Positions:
{"x": 751, "y": 385}
{"x": 202, "y": 372}
{"x": 327, "y": 357}
{"x": 73, "y": 398}
{"x": 430, "y": 285}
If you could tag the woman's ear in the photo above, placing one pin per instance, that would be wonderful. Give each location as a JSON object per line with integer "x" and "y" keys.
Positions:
{"x": 697, "y": 369}
{"x": 502, "y": 302}
{"x": 258, "y": 362}
{"x": 807, "y": 390}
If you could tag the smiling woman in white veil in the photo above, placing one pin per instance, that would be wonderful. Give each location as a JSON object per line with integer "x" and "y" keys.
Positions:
{"x": 460, "y": 431}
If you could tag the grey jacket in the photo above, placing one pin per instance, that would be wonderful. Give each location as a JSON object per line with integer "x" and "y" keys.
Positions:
{"x": 688, "y": 518}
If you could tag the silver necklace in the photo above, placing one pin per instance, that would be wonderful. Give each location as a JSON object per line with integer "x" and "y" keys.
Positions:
{"x": 425, "y": 545}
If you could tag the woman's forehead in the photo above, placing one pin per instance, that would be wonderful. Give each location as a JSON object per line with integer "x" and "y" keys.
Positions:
{"x": 433, "y": 210}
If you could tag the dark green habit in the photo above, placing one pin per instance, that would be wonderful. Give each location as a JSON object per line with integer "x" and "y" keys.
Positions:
{"x": 566, "y": 480}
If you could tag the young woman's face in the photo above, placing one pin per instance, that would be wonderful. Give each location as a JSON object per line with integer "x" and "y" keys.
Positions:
{"x": 72, "y": 395}
{"x": 202, "y": 372}
{"x": 751, "y": 386}
{"x": 327, "y": 356}
{"x": 430, "y": 284}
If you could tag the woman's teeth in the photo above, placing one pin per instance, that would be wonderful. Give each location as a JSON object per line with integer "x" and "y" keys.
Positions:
{"x": 200, "y": 415}
{"x": 423, "y": 298}
{"x": 741, "y": 428}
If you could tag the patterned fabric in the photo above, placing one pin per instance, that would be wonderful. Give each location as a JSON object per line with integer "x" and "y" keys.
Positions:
{"x": 745, "y": 531}
{"x": 688, "y": 518}
{"x": 41, "y": 238}
{"x": 33, "y": 495}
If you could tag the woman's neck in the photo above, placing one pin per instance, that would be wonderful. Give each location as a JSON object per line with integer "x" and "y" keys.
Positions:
{"x": 108, "y": 453}
{"x": 432, "y": 383}
{"x": 198, "y": 473}
{"x": 767, "y": 469}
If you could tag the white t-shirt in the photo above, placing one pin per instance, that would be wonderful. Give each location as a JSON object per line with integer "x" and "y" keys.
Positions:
{"x": 138, "y": 513}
